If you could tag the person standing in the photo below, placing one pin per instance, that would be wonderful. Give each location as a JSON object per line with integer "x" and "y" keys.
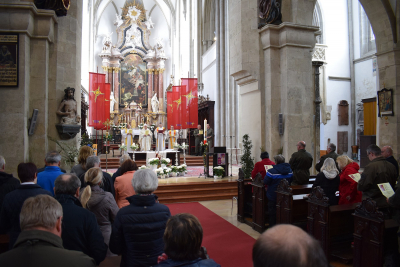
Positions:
{"x": 198, "y": 138}
{"x": 160, "y": 138}
{"x": 330, "y": 150}
{"x": 301, "y": 162}
{"x": 387, "y": 153}
{"x": 328, "y": 179}
{"x": 172, "y": 135}
{"x": 84, "y": 153}
{"x": 378, "y": 171}
{"x": 145, "y": 139}
{"x": 47, "y": 177}
{"x": 13, "y": 201}
{"x": 348, "y": 192}
{"x": 259, "y": 167}
{"x": 210, "y": 136}
{"x": 123, "y": 183}
{"x": 8, "y": 182}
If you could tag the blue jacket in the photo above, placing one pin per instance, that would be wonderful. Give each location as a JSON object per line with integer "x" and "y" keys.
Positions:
{"x": 138, "y": 231}
{"x": 193, "y": 263}
{"x": 12, "y": 204}
{"x": 274, "y": 176}
{"x": 80, "y": 230}
{"x": 47, "y": 177}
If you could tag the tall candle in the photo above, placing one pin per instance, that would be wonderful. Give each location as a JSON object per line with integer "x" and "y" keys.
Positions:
{"x": 205, "y": 129}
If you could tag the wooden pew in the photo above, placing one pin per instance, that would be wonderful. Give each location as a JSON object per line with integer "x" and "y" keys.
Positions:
{"x": 332, "y": 226}
{"x": 291, "y": 208}
{"x": 260, "y": 212}
{"x": 372, "y": 235}
{"x": 244, "y": 198}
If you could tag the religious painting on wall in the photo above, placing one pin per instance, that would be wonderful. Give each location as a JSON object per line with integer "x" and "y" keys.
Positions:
{"x": 8, "y": 60}
{"x": 133, "y": 81}
{"x": 385, "y": 102}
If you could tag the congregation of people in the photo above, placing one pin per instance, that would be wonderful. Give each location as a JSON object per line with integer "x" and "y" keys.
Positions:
{"x": 54, "y": 218}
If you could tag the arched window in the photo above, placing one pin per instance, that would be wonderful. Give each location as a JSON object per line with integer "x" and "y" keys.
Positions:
{"x": 367, "y": 37}
{"x": 317, "y": 21}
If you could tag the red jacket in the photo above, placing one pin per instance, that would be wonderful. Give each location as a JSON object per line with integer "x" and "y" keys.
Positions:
{"x": 259, "y": 167}
{"x": 347, "y": 186}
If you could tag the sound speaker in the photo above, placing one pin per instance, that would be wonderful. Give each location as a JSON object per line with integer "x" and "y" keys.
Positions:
{"x": 280, "y": 124}
{"x": 32, "y": 125}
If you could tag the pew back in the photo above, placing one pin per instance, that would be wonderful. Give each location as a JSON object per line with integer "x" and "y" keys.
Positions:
{"x": 244, "y": 196}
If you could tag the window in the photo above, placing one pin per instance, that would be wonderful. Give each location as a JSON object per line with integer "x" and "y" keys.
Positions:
{"x": 367, "y": 37}
{"x": 317, "y": 21}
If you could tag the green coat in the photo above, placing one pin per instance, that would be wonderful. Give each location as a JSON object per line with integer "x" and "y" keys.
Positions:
{"x": 200, "y": 137}
{"x": 300, "y": 163}
{"x": 35, "y": 248}
{"x": 332, "y": 155}
{"x": 378, "y": 171}
{"x": 210, "y": 133}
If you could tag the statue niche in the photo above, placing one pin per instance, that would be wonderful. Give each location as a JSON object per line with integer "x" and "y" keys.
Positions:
{"x": 61, "y": 7}
{"x": 69, "y": 124}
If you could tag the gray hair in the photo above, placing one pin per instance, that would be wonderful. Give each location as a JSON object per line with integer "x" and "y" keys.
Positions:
{"x": 92, "y": 161}
{"x": 53, "y": 157}
{"x": 40, "y": 211}
{"x": 66, "y": 184}
{"x": 332, "y": 146}
{"x": 145, "y": 181}
{"x": 279, "y": 159}
{"x": 374, "y": 149}
{"x": 2, "y": 162}
{"x": 123, "y": 158}
{"x": 329, "y": 165}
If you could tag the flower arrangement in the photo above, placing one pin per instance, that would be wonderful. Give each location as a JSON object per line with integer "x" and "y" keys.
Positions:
{"x": 174, "y": 168}
{"x": 184, "y": 146}
{"x": 107, "y": 137}
{"x": 182, "y": 168}
{"x": 140, "y": 126}
{"x": 176, "y": 146}
{"x": 122, "y": 147}
{"x": 165, "y": 161}
{"x": 166, "y": 170}
{"x": 134, "y": 146}
{"x": 159, "y": 171}
{"x": 143, "y": 167}
{"x": 219, "y": 171}
{"x": 204, "y": 144}
{"x": 154, "y": 161}
{"x": 122, "y": 125}
{"x": 69, "y": 152}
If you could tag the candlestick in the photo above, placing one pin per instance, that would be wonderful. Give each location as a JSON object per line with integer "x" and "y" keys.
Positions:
{"x": 205, "y": 129}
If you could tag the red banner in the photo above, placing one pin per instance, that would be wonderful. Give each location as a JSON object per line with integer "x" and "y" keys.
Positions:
{"x": 177, "y": 106}
{"x": 99, "y": 91}
{"x": 189, "y": 103}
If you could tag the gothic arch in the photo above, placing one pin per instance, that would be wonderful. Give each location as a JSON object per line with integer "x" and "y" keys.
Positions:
{"x": 208, "y": 23}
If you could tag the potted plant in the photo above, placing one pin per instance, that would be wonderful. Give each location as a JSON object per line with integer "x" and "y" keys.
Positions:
{"x": 154, "y": 163}
{"x": 165, "y": 162}
{"x": 176, "y": 146}
{"x": 159, "y": 172}
{"x": 247, "y": 161}
{"x": 107, "y": 138}
{"x": 219, "y": 172}
{"x": 143, "y": 167}
{"x": 182, "y": 169}
{"x": 166, "y": 172}
{"x": 174, "y": 171}
{"x": 134, "y": 147}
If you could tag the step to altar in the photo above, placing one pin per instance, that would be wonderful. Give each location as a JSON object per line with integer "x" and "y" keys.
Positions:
{"x": 113, "y": 162}
{"x": 194, "y": 192}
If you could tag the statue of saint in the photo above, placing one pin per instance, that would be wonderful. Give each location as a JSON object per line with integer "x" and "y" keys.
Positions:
{"x": 270, "y": 12}
{"x": 68, "y": 108}
{"x": 154, "y": 103}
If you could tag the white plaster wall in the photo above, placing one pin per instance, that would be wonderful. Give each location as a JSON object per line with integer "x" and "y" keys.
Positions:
{"x": 209, "y": 73}
{"x": 85, "y": 46}
{"x": 356, "y": 28}
{"x": 250, "y": 116}
{"x": 335, "y": 19}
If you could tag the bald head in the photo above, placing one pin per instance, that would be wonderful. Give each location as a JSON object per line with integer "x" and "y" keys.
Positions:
{"x": 67, "y": 184}
{"x": 301, "y": 145}
{"x": 387, "y": 151}
{"x": 287, "y": 245}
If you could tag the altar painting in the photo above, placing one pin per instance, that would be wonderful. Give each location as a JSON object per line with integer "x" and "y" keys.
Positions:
{"x": 133, "y": 81}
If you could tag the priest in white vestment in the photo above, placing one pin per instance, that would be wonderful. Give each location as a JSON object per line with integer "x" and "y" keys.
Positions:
{"x": 160, "y": 138}
{"x": 145, "y": 139}
{"x": 127, "y": 138}
{"x": 172, "y": 135}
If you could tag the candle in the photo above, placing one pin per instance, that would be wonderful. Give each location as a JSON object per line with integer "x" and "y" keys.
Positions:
{"x": 205, "y": 129}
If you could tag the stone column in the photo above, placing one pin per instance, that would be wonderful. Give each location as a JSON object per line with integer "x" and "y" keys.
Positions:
{"x": 317, "y": 102}
{"x": 150, "y": 72}
{"x": 115, "y": 86}
{"x": 288, "y": 85}
{"x": 161, "y": 88}
{"x": 155, "y": 84}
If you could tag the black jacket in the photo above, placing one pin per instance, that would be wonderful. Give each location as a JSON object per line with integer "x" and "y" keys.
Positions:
{"x": 392, "y": 160}
{"x": 116, "y": 174}
{"x": 7, "y": 184}
{"x": 332, "y": 155}
{"x": 12, "y": 204}
{"x": 138, "y": 231}
{"x": 108, "y": 183}
{"x": 330, "y": 187}
{"x": 35, "y": 248}
{"x": 301, "y": 162}
{"x": 80, "y": 231}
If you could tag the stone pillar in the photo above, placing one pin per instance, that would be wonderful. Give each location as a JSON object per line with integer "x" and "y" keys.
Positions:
{"x": 161, "y": 89}
{"x": 150, "y": 71}
{"x": 288, "y": 85}
{"x": 116, "y": 87}
{"x": 155, "y": 84}
{"x": 317, "y": 102}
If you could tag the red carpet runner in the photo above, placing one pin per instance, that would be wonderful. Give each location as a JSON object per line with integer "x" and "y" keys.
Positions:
{"x": 225, "y": 244}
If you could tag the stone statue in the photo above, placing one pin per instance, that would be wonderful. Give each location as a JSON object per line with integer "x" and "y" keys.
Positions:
{"x": 154, "y": 103}
{"x": 68, "y": 108}
{"x": 149, "y": 23}
{"x": 270, "y": 12}
{"x": 118, "y": 20}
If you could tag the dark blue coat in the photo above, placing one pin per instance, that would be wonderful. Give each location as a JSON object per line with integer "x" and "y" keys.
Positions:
{"x": 12, "y": 204}
{"x": 80, "y": 231}
{"x": 194, "y": 263}
{"x": 7, "y": 184}
{"x": 138, "y": 231}
{"x": 274, "y": 176}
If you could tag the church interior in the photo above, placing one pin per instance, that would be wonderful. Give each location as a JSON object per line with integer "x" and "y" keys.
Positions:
{"x": 197, "y": 91}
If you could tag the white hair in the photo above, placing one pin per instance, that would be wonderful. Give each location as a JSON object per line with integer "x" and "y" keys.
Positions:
{"x": 329, "y": 165}
{"x": 2, "y": 162}
{"x": 92, "y": 161}
{"x": 145, "y": 181}
{"x": 53, "y": 157}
